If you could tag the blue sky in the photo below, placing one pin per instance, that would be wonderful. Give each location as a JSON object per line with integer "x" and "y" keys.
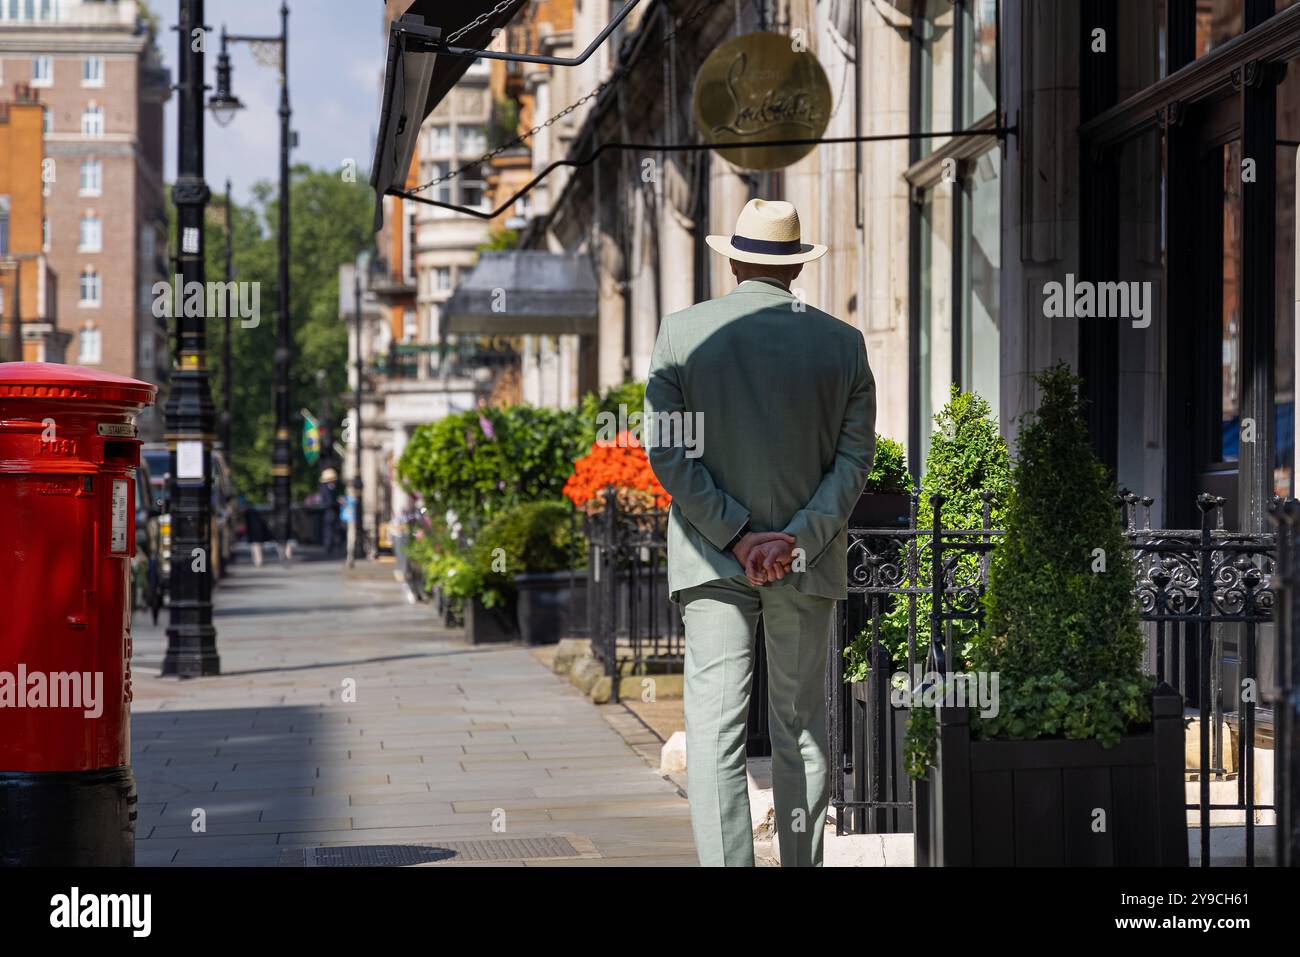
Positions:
{"x": 336, "y": 59}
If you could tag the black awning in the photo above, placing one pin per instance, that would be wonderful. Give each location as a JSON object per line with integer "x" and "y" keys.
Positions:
{"x": 416, "y": 80}
{"x": 525, "y": 292}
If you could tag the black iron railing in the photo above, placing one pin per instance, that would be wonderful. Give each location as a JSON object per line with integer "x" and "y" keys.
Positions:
{"x": 1204, "y": 598}
{"x": 635, "y": 629}
{"x": 1283, "y": 692}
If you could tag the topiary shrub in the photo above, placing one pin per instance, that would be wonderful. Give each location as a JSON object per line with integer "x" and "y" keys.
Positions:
{"x": 1061, "y": 626}
{"x": 889, "y": 475}
{"x": 481, "y": 462}
{"x": 526, "y": 539}
{"x": 967, "y": 457}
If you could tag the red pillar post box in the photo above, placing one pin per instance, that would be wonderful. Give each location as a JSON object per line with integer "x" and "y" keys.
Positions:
{"x": 68, "y": 455}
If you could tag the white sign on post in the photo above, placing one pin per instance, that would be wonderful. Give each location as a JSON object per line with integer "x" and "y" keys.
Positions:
{"x": 189, "y": 460}
{"x": 118, "y": 517}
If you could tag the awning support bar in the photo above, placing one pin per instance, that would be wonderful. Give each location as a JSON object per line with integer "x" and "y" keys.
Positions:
{"x": 432, "y": 37}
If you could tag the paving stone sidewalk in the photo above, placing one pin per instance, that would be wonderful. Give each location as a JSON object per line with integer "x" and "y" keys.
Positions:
{"x": 443, "y": 742}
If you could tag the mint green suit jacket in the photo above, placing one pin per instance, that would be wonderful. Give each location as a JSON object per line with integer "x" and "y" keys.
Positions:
{"x": 759, "y": 408}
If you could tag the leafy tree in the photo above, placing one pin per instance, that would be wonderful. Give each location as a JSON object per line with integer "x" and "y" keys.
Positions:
{"x": 499, "y": 241}
{"x": 330, "y": 223}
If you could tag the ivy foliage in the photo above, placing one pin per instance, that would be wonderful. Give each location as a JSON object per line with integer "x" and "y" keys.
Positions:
{"x": 967, "y": 457}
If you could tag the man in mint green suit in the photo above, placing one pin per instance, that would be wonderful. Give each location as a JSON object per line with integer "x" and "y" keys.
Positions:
{"x": 760, "y": 423}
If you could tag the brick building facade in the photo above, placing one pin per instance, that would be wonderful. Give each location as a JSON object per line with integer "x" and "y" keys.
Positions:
{"x": 95, "y": 66}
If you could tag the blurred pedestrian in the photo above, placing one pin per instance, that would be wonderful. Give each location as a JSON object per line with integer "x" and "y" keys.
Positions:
{"x": 329, "y": 499}
{"x": 258, "y": 532}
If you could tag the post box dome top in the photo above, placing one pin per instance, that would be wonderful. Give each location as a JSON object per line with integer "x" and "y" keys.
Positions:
{"x": 51, "y": 380}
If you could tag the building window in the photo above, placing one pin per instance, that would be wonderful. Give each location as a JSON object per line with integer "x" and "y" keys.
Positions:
{"x": 473, "y": 140}
{"x": 4, "y": 225}
{"x": 440, "y": 279}
{"x": 408, "y": 247}
{"x": 472, "y": 187}
{"x": 957, "y": 229}
{"x": 91, "y": 288}
{"x": 42, "y": 71}
{"x": 90, "y": 346}
{"x": 92, "y": 233}
{"x": 45, "y": 234}
{"x": 47, "y": 120}
{"x": 19, "y": 11}
{"x": 410, "y": 325}
{"x": 92, "y": 177}
{"x": 980, "y": 35}
{"x": 981, "y": 252}
{"x": 92, "y": 121}
{"x": 92, "y": 71}
{"x": 441, "y": 192}
{"x": 438, "y": 140}
{"x": 935, "y": 107}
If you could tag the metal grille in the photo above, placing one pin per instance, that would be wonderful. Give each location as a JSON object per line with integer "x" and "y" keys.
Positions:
{"x": 405, "y": 855}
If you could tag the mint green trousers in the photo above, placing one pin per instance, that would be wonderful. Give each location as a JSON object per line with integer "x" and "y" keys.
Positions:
{"x": 721, "y": 619}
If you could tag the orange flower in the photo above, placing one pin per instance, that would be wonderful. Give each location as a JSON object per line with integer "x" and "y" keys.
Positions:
{"x": 622, "y": 464}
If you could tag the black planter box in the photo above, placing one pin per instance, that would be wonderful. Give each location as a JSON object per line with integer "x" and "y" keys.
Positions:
{"x": 1034, "y": 803}
{"x": 879, "y": 510}
{"x": 549, "y": 604}
{"x": 486, "y": 626}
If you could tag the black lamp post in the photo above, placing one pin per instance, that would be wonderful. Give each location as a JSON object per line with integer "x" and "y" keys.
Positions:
{"x": 191, "y": 638}
{"x": 224, "y": 105}
{"x": 227, "y": 363}
{"x": 363, "y": 265}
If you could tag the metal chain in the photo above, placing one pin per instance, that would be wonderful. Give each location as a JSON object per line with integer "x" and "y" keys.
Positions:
{"x": 614, "y": 77}
{"x": 481, "y": 19}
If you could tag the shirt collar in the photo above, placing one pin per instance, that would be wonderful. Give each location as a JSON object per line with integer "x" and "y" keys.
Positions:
{"x": 763, "y": 284}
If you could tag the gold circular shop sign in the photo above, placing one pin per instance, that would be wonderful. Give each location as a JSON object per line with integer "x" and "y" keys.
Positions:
{"x": 756, "y": 88}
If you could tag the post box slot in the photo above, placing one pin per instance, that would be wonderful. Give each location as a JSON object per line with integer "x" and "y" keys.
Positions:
{"x": 121, "y": 452}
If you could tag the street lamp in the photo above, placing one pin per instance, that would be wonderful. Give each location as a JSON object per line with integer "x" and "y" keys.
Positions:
{"x": 191, "y": 638}
{"x": 365, "y": 263}
{"x": 227, "y": 361}
{"x": 224, "y": 105}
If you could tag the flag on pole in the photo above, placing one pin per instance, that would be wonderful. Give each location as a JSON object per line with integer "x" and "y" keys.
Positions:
{"x": 310, "y": 438}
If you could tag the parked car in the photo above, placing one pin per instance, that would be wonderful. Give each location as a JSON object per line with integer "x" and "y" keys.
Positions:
{"x": 226, "y": 517}
{"x": 157, "y": 461}
{"x": 147, "y": 582}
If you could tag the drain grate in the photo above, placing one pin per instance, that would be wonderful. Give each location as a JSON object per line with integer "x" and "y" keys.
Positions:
{"x": 406, "y": 855}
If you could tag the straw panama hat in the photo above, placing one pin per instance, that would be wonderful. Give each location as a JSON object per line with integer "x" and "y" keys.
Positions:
{"x": 767, "y": 233}
{"x": 329, "y": 475}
